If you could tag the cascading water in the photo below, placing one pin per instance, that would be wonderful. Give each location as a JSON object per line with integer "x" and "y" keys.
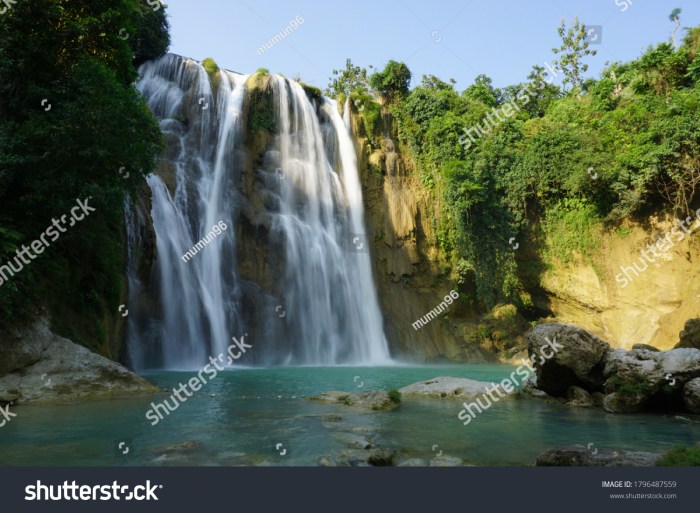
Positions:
{"x": 321, "y": 308}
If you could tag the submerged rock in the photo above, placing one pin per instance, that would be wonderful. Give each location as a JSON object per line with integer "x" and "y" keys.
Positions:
{"x": 371, "y": 399}
{"x": 582, "y": 457}
{"x": 185, "y": 447}
{"x": 383, "y": 458}
{"x": 447, "y": 388}
{"x": 37, "y": 365}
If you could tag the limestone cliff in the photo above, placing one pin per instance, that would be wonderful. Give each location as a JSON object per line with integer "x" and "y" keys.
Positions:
{"x": 651, "y": 307}
{"x": 412, "y": 273}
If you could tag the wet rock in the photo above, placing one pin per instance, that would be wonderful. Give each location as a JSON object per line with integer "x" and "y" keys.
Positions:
{"x": 383, "y": 458}
{"x": 370, "y": 400}
{"x": 446, "y": 461}
{"x": 185, "y": 447}
{"x": 619, "y": 402}
{"x": 353, "y": 441}
{"x": 447, "y": 388}
{"x": 582, "y": 457}
{"x": 577, "y": 396}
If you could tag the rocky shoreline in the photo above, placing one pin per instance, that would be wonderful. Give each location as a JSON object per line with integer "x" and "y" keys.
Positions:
{"x": 38, "y": 366}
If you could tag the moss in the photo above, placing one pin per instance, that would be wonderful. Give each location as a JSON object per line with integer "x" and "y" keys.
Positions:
{"x": 213, "y": 71}
{"x": 262, "y": 111}
{"x": 314, "y": 93}
{"x": 210, "y": 66}
{"x": 263, "y": 71}
{"x": 395, "y": 396}
{"x": 681, "y": 457}
{"x": 573, "y": 225}
{"x": 640, "y": 387}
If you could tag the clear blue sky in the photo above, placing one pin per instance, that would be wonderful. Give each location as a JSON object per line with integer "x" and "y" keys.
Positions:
{"x": 446, "y": 38}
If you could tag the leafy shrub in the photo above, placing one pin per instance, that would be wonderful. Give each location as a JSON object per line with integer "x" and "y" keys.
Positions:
{"x": 395, "y": 396}
{"x": 681, "y": 457}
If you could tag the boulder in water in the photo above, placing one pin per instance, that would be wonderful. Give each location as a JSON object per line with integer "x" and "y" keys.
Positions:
{"x": 447, "y": 388}
{"x": 576, "y": 358}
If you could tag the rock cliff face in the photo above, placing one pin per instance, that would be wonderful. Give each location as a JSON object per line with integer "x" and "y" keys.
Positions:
{"x": 654, "y": 305}
{"x": 411, "y": 273}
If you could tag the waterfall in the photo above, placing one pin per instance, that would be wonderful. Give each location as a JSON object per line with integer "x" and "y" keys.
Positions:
{"x": 291, "y": 268}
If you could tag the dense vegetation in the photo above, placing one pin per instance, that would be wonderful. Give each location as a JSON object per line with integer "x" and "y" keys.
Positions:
{"x": 79, "y": 58}
{"x": 554, "y": 165}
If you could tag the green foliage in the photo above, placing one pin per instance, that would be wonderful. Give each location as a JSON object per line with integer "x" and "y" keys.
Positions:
{"x": 152, "y": 35}
{"x": 369, "y": 110}
{"x": 97, "y": 124}
{"x": 393, "y": 82}
{"x": 482, "y": 91}
{"x": 571, "y": 226}
{"x": 640, "y": 387}
{"x": 263, "y": 71}
{"x": 561, "y": 166}
{"x": 352, "y": 79}
{"x": 314, "y": 93}
{"x": 211, "y": 67}
{"x": 395, "y": 396}
{"x": 262, "y": 111}
{"x": 573, "y": 49}
{"x": 681, "y": 457}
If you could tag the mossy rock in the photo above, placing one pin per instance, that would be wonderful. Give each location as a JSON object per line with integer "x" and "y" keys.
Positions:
{"x": 214, "y": 73}
{"x": 314, "y": 93}
{"x": 210, "y": 66}
{"x": 259, "y": 80}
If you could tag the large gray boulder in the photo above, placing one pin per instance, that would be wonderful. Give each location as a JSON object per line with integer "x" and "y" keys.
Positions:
{"x": 691, "y": 395}
{"x": 38, "y": 366}
{"x": 640, "y": 378}
{"x": 582, "y": 457}
{"x": 566, "y": 356}
{"x": 690, "y": 336}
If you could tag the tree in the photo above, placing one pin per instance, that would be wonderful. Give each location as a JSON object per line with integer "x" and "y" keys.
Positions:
{"x": 573, "y": 49}
{"x": 675, "y": 17}
{"x": 352, "y": 79}
{"x": 77, "y": 56}
{"x": 393, "y": 82}
{"x": 482, "y": 90}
